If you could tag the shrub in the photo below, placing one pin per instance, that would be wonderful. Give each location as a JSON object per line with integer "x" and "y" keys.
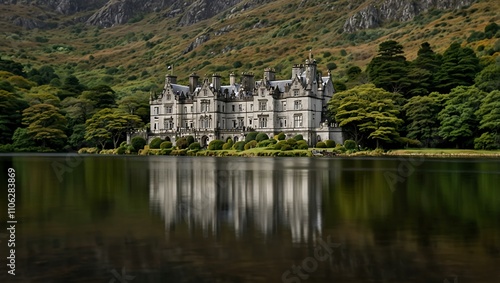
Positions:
{"x": 239, "y": 146}
{"x": 330, "y": 143}
{"x": 339, "y": 148}
{"x": 286, "y": 147}
{"x": 281, "y": 136}
{"x": 251, "y": 136}
{"x": 320, "y": 144}
{"x": 165, "y": 145}
{"x": 190, "y": 139}
{"x": 155, "y": 143}
{"x": 121, "y": 150}
{"x": 350, "y": 144}
{"x": 195, "y": 146}
{"x": 302, "y": 146}
{"x": 138, "y": 143}
{"x": 215, "y": 145}
{"x": 250, "y": 144}
{"x": 266, "y": 143}
{"x": 279, "y": 145}
{"x": 228, "y": 144}
{"x": 298, "y": 137}
{"x": 182, "y": 143}
{"x": 261, "y": 136}
{"x": 291, "y": 142}
{"x": 166, "y": 151}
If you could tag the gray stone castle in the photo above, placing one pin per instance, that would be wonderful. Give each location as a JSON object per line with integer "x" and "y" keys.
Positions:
{"x": 208, "y": 110}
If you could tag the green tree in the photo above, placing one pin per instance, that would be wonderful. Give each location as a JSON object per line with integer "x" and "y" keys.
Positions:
{"x": 367, "y": 113}
{"x": 110, "y": 125}
{"x": 11, "y": 107}
{"x": 422, "y": 70}
{"x": 459, "y": 68}
{"x": 489, "y": 78}
{"x": 458, "y": 119}
{"x": 71, "y": 87}
{"x": 46, "y": 125}
{"x": 421, "y": 112}
{"x": 137, "y": 104}
{"x": 389, "y": 69}
{"x": 103, "y": 96}
{"x": 489, "y": 115}
{"x": 78, "y": 109}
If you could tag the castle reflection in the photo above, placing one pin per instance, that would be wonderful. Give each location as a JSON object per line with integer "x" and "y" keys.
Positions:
{"x": 267, "y": 195}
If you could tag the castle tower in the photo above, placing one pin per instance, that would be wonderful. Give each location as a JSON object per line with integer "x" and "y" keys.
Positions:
{"x": 296, "y": 70}
{"x": 193, "y": 82}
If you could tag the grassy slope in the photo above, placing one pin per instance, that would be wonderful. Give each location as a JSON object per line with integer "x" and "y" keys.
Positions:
{"x": 124, "y": 47}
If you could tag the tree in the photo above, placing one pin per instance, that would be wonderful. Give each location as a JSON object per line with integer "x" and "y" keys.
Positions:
{"x": 458, "y": 119}
{"x": 389, "y": 69}
{"x": 422, "y": 70}
{"x": 367, "y": 112}
{"x": 137, "y": 104}
{"x": 78, "y": 109}
{"x": 71, "y": 87}
{"x": 103, "y": 96}
{"x": 11, "y": 106}
{"x": 46, "y": 125}
{"x": 421, "y": 112}
{"x": 489, "y": 115}
{"x": 110, "y": 125}
{"x": 489, "y": 78}
{"x": 459, "y": 68}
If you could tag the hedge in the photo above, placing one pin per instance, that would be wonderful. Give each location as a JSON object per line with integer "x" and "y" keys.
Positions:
{"x": 215, "y": 145}
{"x": 154, "y": 144}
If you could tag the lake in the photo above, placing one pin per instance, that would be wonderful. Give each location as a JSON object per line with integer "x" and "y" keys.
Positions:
{"x": 202, "y": 219}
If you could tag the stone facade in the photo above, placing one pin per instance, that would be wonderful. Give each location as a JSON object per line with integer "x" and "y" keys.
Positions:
{"x": 208, "y": 110}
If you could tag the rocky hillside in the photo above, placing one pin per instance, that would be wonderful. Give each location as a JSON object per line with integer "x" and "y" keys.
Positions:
{"x": 129, "y": 43}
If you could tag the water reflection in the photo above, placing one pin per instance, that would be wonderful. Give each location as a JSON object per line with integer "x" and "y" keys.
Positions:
{"x": 265, "y": 194}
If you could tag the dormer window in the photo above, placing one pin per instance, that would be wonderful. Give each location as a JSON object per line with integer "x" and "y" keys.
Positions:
{"x": 295, "y": 92}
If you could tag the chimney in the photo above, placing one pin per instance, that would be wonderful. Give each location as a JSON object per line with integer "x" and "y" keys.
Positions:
{"x": 296, "y": 70}
{"x": 216, "y": 81}
{"x": 232, "y": 79}
{"x": 269, "y": 74}
{"x": 170, "y": 79}
{"x": 248, "y": 82}
{"x": 193, "y": 82}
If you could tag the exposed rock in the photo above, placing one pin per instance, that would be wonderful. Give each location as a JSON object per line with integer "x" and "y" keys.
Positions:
{"x": 204, "y": 9}
{"x": 223, "y": 30}
{"x": 197, "y": 42}
{"x": 374, "y": 15}
{"x": 29, "y": 23}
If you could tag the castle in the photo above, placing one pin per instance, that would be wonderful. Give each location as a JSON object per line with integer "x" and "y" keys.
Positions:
{"x": 208, "y": 110}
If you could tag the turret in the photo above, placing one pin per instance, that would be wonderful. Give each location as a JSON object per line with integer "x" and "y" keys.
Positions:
{"x": 193, "y": 82}
{"x": 269, "y": 74}
{"x": 216, "y": 81}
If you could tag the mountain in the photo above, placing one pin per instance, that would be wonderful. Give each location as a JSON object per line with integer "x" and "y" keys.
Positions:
{"x": 129, "y": 43}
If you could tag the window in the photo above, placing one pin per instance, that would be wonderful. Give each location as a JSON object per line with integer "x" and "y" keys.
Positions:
{"x": 249, "y": 121}
{"x": 240, "y": 123}
{"x": 191, "y": 108}
{"x": 283, "y": 105}
{"x": 155, "y": 110}
{"x": 297, "y": 121}
{"x": 204, "y": 107}
{"x": 185, "y": 109}
{"x": 234, "y": 124}
{"x": 240, "y": 107}
{"x": 232, "y": 107}
{"x": 282, "y": 122}
{"x": 251, "y": 107}
{"x": 169, "y": 96}
{"x": 263, "y": 122}
{"x": 262, "y": 92}
{"x": 297, "y": 105}
{"x": 205, "y": 92}
{"x": 223, "y": 108}
{"x": 262, "y": 105}
{"x": 168, "y": 109}
{"x": 223, "y": 124}
{"x": 295, "y": 92}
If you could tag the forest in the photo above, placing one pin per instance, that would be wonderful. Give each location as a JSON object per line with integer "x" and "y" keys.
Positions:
{"x": 448, "y": 100}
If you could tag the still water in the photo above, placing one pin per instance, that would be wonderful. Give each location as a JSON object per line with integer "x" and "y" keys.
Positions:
{"x": 185, "y": 219}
